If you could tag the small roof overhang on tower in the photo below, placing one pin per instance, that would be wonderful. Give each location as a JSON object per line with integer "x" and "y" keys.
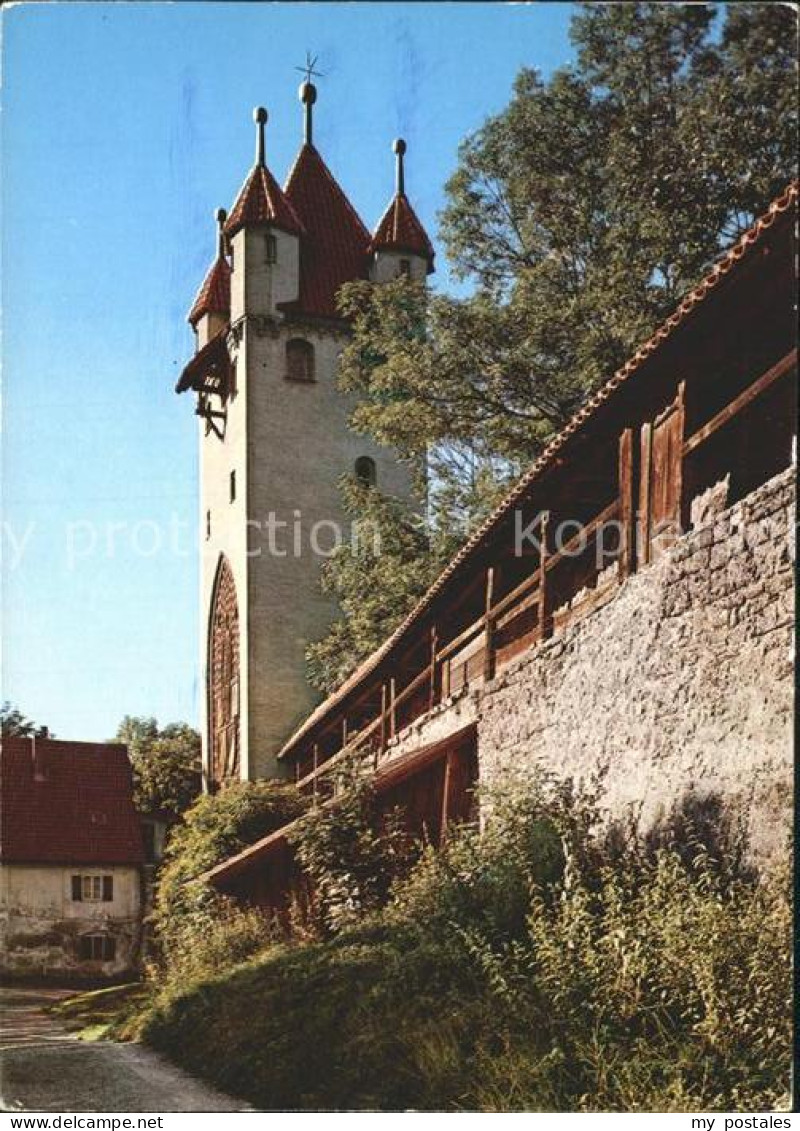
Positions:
{"x": 209, "y": 370}
{"x": 400, "y": 229}
{"x": 261, "y": 199}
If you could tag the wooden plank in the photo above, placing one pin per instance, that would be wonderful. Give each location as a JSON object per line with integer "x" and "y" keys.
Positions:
{"x": 585, "y": 533}
{"x": 463, "y": 637}
{"x": 393, "y": 707}
{"x": 645, "y": 464}
{"x": 449, "y": 774}
{"x": 511, "y": 598}
{"x": 432, "y": 676}
{"x": 627, "y": 562}
{"x": 784, "y": 366}
{"x": 488, "y": 655}
{"x": 544, "y": 564}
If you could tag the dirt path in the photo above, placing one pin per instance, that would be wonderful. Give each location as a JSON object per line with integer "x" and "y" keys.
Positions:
{"x": 45, "y": 1068}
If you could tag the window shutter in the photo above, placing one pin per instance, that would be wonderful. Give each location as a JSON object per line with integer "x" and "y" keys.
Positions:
{"x": 76, "y": 888}
{"x": 108, "y": 889}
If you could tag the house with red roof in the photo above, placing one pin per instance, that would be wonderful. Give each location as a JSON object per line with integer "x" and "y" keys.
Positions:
{"x": 71, "y": 860}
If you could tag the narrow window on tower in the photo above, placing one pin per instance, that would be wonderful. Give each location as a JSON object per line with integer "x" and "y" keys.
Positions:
{"x": 271, "y": 248}
{"x": 366, "y": 471}
{"x": 233, "y": 486}
{"x": 299, "y": 360}
{"x": 405, "y": 268}
{"x": 208, "y": 525}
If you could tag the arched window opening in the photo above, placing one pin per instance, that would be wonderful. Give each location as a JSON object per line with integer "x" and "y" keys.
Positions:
{"x": 223, "y": 679}
{"x": 299, "y": 360}
{"x": 366, "y": 471}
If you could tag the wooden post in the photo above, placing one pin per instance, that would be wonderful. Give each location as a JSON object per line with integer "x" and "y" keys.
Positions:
{"x": 432, "y": 691}
{"x": 681, "y": 433}
{"x": 392, "y": 708}
{"x": 344, "y": 732}
{"x": 488, "y": 653}
{"x": 316, "y": 767}
{"x": 544, "y": 626}
{"x": 646, "y": 469}
{"x": 627, "y": 506}
{"x": 383, "y": 718}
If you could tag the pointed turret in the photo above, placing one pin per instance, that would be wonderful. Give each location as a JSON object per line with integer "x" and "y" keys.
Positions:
{"x": 400, "y": 244}
{"x": 260, "y": 199}
{"x": 264, "y": 231}
{"x": 212, "y": 306}
{"x": 334, "y": 249}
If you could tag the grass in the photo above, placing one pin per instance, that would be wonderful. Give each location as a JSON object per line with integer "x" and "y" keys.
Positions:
{"x": 98, "y": 1014}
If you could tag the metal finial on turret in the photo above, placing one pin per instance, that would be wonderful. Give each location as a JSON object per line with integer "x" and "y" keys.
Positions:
{"x": 260, "y": 119}
{"x": 308, "y": 96}
{"x": 220, "y": 216}
{"x": 399, "y": 148}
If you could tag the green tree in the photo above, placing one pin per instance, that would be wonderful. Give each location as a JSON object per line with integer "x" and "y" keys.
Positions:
{"x": 13, "y": 724}
{"x": 580, "y": 215}
{"x": 166, "y": 764}
{"x": 376, "y": 576}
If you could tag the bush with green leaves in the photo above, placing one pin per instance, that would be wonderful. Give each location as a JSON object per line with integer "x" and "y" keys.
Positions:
{"x": 196, "y": 928}
{"x": 350, "y": 852}
{"x": 551, "y": 961}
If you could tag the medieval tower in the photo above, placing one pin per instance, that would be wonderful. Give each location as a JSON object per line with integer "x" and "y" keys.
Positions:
{"x": 274, "y": 437}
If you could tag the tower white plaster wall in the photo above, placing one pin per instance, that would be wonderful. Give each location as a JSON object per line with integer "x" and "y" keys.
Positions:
{"x": 386, "y": 266}
{"x": 289, "y": 444}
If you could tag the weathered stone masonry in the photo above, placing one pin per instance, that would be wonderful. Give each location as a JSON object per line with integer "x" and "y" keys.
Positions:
{"x": 683, "y": 679}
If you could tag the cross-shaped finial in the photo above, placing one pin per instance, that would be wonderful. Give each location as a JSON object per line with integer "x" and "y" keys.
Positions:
{"x": 308, "y": 69}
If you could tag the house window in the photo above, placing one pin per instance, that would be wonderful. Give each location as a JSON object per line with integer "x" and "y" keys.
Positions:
{"x": 299, "y": 360}
{"x": 208, "y": 525}
{"x": 405, "y": 268}
{"x": 93, "y": 889}
{"x": 233, "y": 486}
{"x": 271, "y": 248}
{"x": 97, "y": 948}
{"x": 366, "y": 471}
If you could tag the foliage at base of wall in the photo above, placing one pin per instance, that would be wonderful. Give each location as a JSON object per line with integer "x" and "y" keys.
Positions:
{"x": 552, "y": 962}
{"x": 196, "y": 929}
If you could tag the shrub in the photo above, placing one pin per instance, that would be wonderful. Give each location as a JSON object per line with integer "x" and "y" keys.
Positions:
{"x": 197, "y": 928}
{"x": 553, "y": 962}
{"x": 351, "y": 853}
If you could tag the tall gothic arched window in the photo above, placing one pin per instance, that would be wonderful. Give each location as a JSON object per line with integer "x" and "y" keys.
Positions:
{"x": 223, "y": 679}
{"x": 299, "y": 360}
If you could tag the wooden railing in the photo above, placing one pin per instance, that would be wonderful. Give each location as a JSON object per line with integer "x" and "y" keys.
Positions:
{"x": 524, "y": 616}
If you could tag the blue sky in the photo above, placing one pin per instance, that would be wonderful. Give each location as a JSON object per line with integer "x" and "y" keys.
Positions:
{"x": 123, "y": 127}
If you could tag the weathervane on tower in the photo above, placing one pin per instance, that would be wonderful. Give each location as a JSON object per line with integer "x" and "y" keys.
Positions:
{"x": 308, "y": 92}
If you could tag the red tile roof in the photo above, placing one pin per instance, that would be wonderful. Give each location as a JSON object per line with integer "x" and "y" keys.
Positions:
{"x": 335, "y": 248}
{"x": 214, "y": 296}
{"x": 399, "y": 229}
{"x": 67, "y": 803}
{"x": 261, "y": 201}
{"x": 785, "y": 203}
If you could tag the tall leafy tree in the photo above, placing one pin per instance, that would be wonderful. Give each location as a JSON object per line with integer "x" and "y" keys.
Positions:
{"x": 165, "y": 762}
{"x": 580, "y": 215}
